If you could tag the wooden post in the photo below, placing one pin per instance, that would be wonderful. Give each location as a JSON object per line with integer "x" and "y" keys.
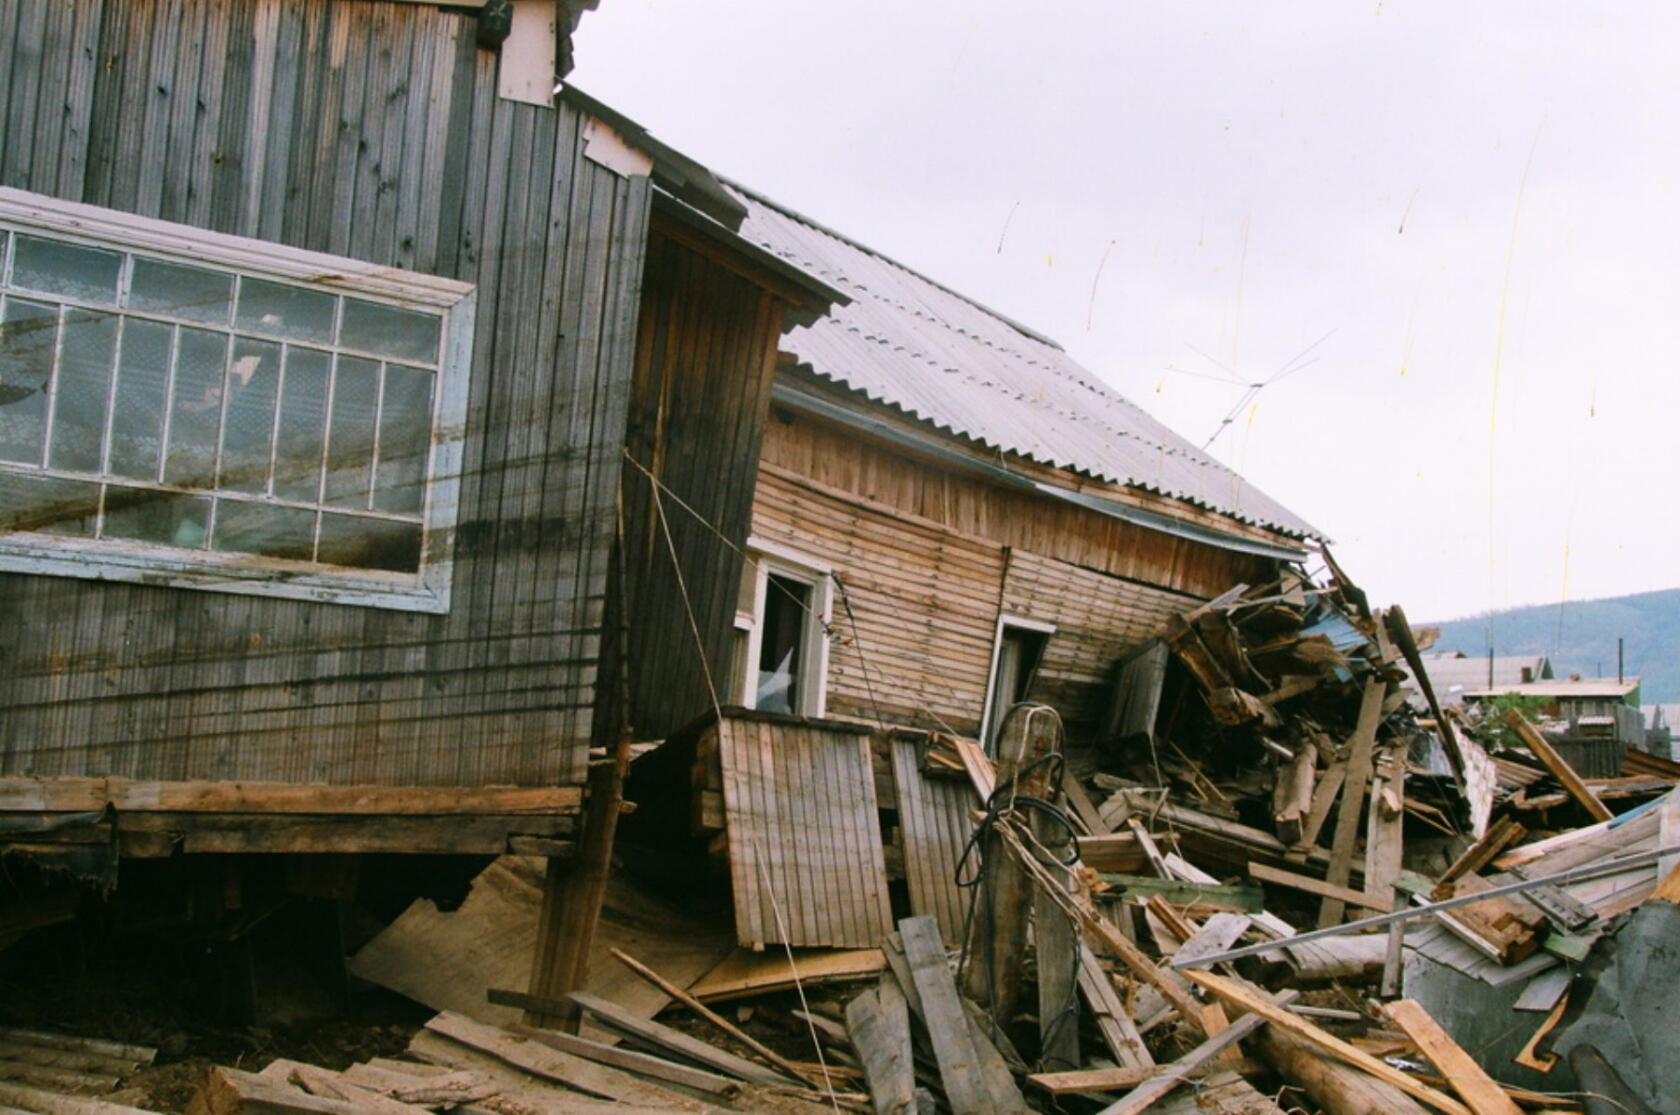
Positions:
{"x": 1353, "y": 795}
{"x": 572, "y": 895}
{"x": 993, "y": 977}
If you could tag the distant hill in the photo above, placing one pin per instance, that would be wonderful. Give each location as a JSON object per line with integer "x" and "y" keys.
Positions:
{"x": 1580, "y": 638}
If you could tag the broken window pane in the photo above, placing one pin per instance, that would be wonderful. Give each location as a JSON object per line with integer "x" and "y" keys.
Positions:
{"x": 303, "y": 425}
{"x": 787, "y": 606}
{"x": 180, "y": 291}
{"x": 27, "y": 334}
{"x": 48, "y": 504}
{"x": 355, "y": 407}
{"x": 142, "y": 389}
{"x": 195, "y": 411}
{"x": 369, "y": 543}
{"x": 289, "y": 312}
{"x": 82, "y": 394}
{"x": 75, "y": 271}
{"x": 265, "y": 528}
{"x": 389, "y": 331}
{"x": 248, "y": 429}
{"x": 167, "y": 518}
{"x": 405, "y": 426}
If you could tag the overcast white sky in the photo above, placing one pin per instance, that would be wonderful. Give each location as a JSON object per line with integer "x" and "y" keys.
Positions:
{"x": 1471, "y": 210}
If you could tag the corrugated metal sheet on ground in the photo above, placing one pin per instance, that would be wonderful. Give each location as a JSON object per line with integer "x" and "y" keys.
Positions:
{"x": 933, "y": 819}
{"x": 805, "y": 858}
{"x": 908, "y": 342}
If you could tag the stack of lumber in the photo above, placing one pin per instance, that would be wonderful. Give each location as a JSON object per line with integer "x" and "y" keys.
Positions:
{"x": 49, "y": 1072}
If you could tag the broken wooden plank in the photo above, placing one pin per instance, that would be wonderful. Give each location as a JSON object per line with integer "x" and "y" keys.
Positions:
{"x": 879, "y": 1023}
{"x": 1292, "y": 796}
{"x": 1217, "y": 934}
{"x": 1090, "y": 1080}
{"x": 1463, "y": 1074}
{"x": 744, "y": 972}
{"x": 707, "y": 1013}
{"x": 1353, "y": 795}
{"x": 1119, "y": 1031}
{"x": 552, "y": 1064}
{"x": 1557, "y": 764}
{"x": 516, "y": 1090}
{"x": 1171, "y": 1076}
{"x": 230, "y": 1091}
{"x": 967, "y": 1087}
{"x": 1245, "y": 998}
{"x": 631, "y": 1060}
{"x": 1290, "y": 879}
{"x": 1332, "y": 1085}
{"x": 328, "y": 1084}
{"x": 680, "y": 1043}
{"x": 1499, "y": 836}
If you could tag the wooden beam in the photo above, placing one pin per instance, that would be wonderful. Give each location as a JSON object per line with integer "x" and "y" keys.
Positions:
{"x": 1241, "y": 997}
{"x": 1090, "y": 1080}
{"x": 573, "y": 892}
{"x": 1466, "y": 1077}
{"x": 1331, "y": 1084}
{"x": 1261, "y": 873}
{"x": 967, "y": 1088}
{"x": 878, "y": 1021}
{"x": 646, "y": 1030}
{"x": 1171, "y": 1076}
{"x": 1557, "y": 764}
{"x": 629, "y": 1059}
{"x": 52, "y": 795}
{"x": 709, "y": 1015}
{"x": 1499, "y": 836}
{"x": 1353, "y": 794}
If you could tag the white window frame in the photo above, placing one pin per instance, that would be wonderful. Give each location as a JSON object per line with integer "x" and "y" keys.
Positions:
{"x": 768, "y": 558}
{"x": 1005, "y": 621}
{"x": 428, "y": 590}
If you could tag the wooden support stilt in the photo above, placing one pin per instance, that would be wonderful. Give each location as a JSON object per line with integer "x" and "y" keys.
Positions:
{"x": 572, "y": 895}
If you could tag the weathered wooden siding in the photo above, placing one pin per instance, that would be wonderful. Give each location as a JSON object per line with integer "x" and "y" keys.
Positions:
{"x": 844, "y": 461}
{"x": 914, "y": 612}
{"x": 705, "y": 357}
{"x": 1098, "y": 618}
{"x": 370, "y": 130}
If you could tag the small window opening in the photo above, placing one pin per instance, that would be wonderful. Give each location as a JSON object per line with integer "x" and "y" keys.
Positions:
{"x": 1020, "y": 649}
{"x": 781, "y": 654}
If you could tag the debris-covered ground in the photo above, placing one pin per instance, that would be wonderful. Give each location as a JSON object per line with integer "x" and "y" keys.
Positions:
{"x": 1288, "y": 878}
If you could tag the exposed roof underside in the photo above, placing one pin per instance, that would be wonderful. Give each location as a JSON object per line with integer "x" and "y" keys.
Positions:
{"x": 910, "y": 343}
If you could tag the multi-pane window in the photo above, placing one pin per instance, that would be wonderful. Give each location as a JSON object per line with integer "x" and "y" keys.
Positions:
{"x": 274, "y": 429}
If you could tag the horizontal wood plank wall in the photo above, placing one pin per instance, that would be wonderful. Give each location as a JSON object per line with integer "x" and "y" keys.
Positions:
{"x": 705, "y": 357}
{"x": 1097, "y": 617}
{"x": 916, "y": 645}
{"x": 370, "y": 130}
{"x": 805, "y": 856}
{"x": 847, "y": 462}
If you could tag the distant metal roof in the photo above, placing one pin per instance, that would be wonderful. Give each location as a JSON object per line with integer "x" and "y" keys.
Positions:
{"x": 1583, "y": 687}
{"x": 913, "y": 344}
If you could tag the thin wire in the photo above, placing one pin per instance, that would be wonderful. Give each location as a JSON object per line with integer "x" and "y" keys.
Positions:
{"x": 688, "y": 606}
{"x": 793, "y": 968}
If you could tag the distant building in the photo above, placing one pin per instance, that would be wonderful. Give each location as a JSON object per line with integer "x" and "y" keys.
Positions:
{"x": 1595, "y": 719}
{"x": 1452, "y": 673}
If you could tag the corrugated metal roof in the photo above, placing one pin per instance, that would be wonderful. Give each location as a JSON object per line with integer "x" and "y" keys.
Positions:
{"x": 911, "y": 343}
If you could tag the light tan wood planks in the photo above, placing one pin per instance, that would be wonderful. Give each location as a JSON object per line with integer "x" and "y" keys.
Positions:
{"x": 1098, "y": 618}
{"x": 934, "y": 821}
{"x": 805, "y": 857}
{"x": 916, "y": 642}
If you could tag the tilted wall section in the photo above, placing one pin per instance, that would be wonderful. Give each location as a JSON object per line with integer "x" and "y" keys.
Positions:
{"x": 370, "y": 130}
{"x": 929, "y": 560}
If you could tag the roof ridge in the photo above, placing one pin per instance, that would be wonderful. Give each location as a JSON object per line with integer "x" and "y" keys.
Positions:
{"x": 788, "y": 211}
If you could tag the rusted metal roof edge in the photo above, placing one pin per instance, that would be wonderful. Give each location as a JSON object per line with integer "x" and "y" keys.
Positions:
{"x": 790, "y": 395}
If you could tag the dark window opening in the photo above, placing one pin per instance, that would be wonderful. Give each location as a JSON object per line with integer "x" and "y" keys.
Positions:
{"x": 1019, "y": 652}
{"x": 781, "y": 652}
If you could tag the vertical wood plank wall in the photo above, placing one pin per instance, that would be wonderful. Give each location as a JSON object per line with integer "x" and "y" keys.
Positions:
{"x": 930, "y": 560}
{"x": 705, "y": 358}
{"x": 370, "y": 130}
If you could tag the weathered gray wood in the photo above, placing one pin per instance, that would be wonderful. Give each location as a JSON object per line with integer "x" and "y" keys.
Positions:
{"x": 879, "y": 1023}
{"x": 1171, "y": 1076}
{"x": 611, "y": 1014}
{"x": 1116, "y": 1025}
{"x": 1353, "y": 795}
{"x": 969, "y": 1087}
